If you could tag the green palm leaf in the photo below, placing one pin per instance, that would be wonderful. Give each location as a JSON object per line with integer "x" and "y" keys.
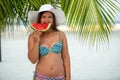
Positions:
{"x": 90, "y": 19}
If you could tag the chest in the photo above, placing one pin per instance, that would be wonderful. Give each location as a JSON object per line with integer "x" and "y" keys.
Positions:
{"x": 50, "y": 39}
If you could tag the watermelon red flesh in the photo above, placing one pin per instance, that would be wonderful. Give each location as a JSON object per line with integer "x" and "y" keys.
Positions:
{"x": 41, "y": 27}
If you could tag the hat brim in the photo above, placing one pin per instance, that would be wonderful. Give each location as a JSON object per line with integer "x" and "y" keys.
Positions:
{"x": 59, "y": 16}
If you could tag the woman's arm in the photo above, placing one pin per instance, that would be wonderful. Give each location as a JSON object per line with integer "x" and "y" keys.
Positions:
{"x": 66, "y": 57}
{"x": 33, "y": 46}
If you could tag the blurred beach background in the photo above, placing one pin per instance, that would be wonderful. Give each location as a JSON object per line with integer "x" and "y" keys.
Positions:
{"x": 87, "y": 63}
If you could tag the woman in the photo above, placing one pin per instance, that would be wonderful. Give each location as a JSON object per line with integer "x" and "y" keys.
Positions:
{"x": 49, "y": 49}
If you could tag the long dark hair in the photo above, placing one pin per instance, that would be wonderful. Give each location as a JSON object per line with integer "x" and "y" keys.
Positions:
{"x": 54, "y": 27}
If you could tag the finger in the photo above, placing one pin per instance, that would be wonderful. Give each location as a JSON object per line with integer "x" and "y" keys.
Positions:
{"x": 39, "y": 32}
{"x": 36, "y": 32}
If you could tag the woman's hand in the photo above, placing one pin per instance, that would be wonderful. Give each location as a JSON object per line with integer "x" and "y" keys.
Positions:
{"x": 36, "y": 36}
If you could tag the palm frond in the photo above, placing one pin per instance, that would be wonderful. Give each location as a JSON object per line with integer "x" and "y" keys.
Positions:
{"x": 90, "y": 19}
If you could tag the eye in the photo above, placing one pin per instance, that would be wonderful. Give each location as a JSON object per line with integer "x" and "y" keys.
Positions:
{"x": 43, "y": 16}
{"x": 50, "y": 17}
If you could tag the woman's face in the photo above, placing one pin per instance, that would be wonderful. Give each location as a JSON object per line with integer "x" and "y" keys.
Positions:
{"x": 46, "y": 18}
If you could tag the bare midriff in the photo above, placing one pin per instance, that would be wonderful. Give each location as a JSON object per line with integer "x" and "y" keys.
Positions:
{"x": 50, "y": 65}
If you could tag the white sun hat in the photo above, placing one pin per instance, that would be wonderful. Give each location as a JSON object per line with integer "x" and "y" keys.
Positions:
{"x": 59, "y": 14}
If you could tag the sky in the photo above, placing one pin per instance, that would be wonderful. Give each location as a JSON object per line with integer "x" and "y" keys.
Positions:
{"x": 117, "y": 18}
{"x": 117, "y": 15}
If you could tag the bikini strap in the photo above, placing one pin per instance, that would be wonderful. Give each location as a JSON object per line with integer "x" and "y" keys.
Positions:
{"x": 59, "y": 35}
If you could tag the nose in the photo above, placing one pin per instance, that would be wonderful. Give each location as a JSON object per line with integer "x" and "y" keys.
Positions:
{"x": 47, "y": 20}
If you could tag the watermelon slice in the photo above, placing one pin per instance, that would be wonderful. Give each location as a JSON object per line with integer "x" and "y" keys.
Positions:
{"x": 41, "y": 27}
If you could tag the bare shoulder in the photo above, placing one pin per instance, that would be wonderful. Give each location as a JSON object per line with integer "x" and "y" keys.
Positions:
{"x": 63, "y": 35}
{"x": 30, "y": 35}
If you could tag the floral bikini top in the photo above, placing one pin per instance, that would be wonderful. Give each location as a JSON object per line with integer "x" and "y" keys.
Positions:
{"x": 56, "y": 48}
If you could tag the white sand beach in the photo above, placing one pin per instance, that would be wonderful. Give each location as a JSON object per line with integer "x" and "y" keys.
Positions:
{"x": 86, "y": 63}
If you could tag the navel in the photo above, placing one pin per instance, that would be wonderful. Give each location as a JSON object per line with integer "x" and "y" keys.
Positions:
{"x": 51, "y": 68}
